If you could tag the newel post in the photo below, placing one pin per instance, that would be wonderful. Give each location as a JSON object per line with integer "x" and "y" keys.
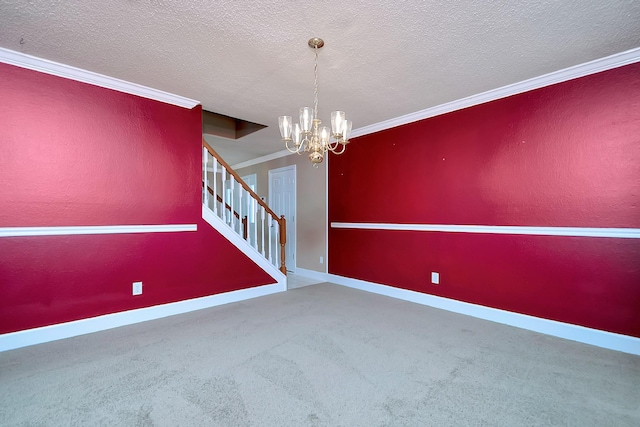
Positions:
{"x": 283, "y": 241}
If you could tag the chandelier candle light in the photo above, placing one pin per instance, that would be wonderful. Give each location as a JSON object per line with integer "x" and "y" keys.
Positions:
{"x": 308, "y": 135}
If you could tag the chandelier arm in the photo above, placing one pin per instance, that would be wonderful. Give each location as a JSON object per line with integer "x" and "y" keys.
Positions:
{"x": 344, "y": 147}
{"x": 333, "y": 145}
{"x": 286, "y": 145}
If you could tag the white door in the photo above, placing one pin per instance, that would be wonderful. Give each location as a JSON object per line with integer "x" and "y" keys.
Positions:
{"x": 282, "y": 199}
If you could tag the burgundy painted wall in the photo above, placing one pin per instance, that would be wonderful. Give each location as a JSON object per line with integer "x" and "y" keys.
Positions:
{"x": 76, "y": 154}
{"x": 564, "y": 155}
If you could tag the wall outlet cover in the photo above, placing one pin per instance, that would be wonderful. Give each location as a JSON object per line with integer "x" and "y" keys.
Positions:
{"x": 137, "y": 288}
{"x": 435, "y": 278}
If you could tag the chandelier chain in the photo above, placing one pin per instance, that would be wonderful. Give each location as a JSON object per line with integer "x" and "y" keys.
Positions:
{"x": 315, "y": 86}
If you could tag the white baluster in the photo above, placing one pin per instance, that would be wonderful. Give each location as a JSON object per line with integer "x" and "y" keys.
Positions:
{"x": 276, "y": 253}
{"x": 205, "y": 195}
{"x": 248, "y": 207}
{"x": 254, "y": 211}
{"x": 233, "y": 217}
{"x": 237, "y": 207}
{"x": 263, "y": 231}
{"x": 224, "y": 194}
{"x": 215, "y": 199}
{"x": 270, "y": 240}
{"x": 241, "y": 208}
{"x": 246, "y": 199}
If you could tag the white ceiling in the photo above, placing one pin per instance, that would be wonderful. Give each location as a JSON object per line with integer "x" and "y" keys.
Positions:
{"x": 250, "y": 59}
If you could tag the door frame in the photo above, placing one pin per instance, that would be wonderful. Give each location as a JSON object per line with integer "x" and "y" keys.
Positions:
{"x": 292, "y": 169}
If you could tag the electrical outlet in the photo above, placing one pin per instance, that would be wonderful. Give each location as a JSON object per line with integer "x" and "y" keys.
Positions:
{"x": 137, "y": 288}
{"x": 435, "y": 278}
{"x": 321, "y": 260}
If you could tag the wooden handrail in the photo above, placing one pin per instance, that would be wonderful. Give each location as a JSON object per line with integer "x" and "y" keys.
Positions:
{"x": 239, "y": 180}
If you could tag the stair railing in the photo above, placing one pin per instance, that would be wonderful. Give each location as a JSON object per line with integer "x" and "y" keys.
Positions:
{"x": 234, "y": 202}
{"x": 244, "y": 220}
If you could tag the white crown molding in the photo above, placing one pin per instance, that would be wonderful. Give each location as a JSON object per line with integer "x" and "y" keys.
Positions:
{"x": 621, "y": 233}
{"x": 98, "y": 229}
{"x": 581, "y": 70}
{"x": 262, "y": 159}
{"x": 60, "y": 331}
{"x": 577, "y": 71}
{"x": 68, "y": 72}
{"x": 604, "y": 339}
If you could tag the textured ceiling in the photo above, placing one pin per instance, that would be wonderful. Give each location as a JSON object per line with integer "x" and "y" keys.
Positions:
{"x": 250, "y": 59}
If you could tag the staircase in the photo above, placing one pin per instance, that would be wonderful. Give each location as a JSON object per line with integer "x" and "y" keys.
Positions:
{"x": 237, "y": 212}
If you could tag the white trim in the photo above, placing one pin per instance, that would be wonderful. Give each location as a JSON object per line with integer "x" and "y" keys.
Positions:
{"x": 262, "y": 159}
{"x": 610, "y": 340}
{"x": 577, "y": 71}
{"x": 68, "y": 72}
{"x": 60, "y": 331}
{"x": 312, "y": 274}
{"x": 244, "y": 246}
{"x": 97, "y": 229}
{"x": 326, "y": 212}
{"x": 603, "y": 64}
{"x": 622, "y": 233}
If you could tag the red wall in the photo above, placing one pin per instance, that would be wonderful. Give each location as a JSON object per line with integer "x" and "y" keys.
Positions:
{"x": 76, "y": 154}
{"x": 564, "y": 155}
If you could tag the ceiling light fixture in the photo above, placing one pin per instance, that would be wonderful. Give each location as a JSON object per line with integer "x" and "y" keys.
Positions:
{"x": 308, "y": 136}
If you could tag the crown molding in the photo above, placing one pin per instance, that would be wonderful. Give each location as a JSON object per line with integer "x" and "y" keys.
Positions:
{"x": 581, "y": 70}
{"x": 262, "y": 159}
{"x": 68, "y": 72}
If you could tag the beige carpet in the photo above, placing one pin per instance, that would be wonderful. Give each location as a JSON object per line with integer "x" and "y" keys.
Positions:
{"x": 321, "y": 355}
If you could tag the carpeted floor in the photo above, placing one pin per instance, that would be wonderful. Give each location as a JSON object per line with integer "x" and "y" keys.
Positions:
{"x": 321, "y": 355}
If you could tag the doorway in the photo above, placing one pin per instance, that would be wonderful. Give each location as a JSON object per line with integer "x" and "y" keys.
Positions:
{"x": 282, "y": 199}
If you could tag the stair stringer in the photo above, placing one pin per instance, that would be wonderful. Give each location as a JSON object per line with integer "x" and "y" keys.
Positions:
{"x": 279, "y": 278}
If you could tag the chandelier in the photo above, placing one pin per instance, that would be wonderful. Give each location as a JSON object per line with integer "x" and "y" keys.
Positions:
{"x": 308, "y": 135}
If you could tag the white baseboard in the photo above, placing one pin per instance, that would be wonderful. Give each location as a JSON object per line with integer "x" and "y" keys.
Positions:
{"x": 609, "y": 340}
{"x": 311, "y": 274}
{"x": 60, "y": 331}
